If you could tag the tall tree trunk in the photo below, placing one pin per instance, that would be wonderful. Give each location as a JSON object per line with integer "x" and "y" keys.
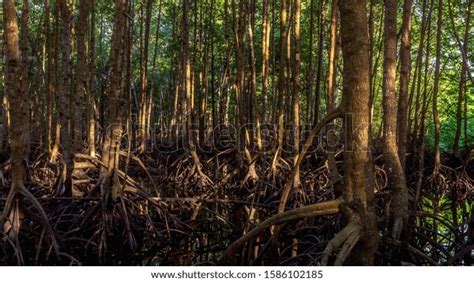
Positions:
{"x": 266, "y": 26}
{"x": 143, "y": 136}
{"x": 56, "y": 81}
{"x": 48, "y": 70}
{"x": 358, "y": 173}
{"x": 109, "y": 182}
{"x": 331, "y": 90}
{"x": 405, "y": 62}
{"x": 399, "y": 204}
{"x": 296, "y": 87}
{"x": 81, "y": 77}
{"x": 319, "y": 70}
{"x": 19, "y": 129}
{"x": 309, "y": 71}
{"x": 282, "y": 83}
{"x": 64, "y": 186}
{"x": 25, "y": 66}
{"x": 188, "y": 95}
{"x": 251, "y": 116}
{"x": 91, "y": 108}
{"x": 17, "y": 98}
{"x": 239, "y": 23}
{"x": 437, "y": 164}
{"x": 462, "y": 81}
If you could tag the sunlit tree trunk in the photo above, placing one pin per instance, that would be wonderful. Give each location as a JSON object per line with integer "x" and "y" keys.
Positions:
{"x": 266, "y": 27}
{"x": 91, "y": 108}
{"x": 358, "y": 173}
{"x": 109, "y": 182}
{"x": 296, "y": 86}
{"x": 396, "y": 176}
{"x": 19, "y": 113}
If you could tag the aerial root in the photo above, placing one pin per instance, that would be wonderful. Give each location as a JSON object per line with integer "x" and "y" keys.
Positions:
{"x": 20, "y": 189}
{"x": 251, "y": 172}
{"x": 197, "y": 168}
{"x": 347, "y": 238}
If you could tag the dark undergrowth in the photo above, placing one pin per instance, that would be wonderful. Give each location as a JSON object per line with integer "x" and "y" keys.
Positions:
{"x": 164, "y": 214}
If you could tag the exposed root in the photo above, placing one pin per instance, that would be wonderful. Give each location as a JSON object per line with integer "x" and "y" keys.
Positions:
{"x": 299, "y": 158}
{"x": 12, "y": 211}
{"x": 143, "y": 167}
{"x": 197, "y": 168}
{"x": 325, "y": 208}
{"x": 347, "y": 238}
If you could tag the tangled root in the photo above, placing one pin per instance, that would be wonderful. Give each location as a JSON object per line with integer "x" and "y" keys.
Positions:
{"x": 347, "y": 238}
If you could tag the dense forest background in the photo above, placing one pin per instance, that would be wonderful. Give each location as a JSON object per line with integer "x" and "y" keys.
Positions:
{"x": 202, "y": 132}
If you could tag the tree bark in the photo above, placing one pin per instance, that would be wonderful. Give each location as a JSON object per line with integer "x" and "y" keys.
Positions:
{"x": 110, "y": 186}
{"x": 65, "y": 97}
{"x": 280, "y": 133}
{"x": 19, "y": 117}
{"x": 462, "y": 80}
{"x": 319, "y": 69}
{"x": 437, "y": 164}
{"x": 266, "y": 58}
{"x": 405, "y": 62}
{"x": 399, "y": 204}
{"x": 91, "y": 107}
{"x": 81, "y": 77}
{"x": 18, "y": 100}
{"x": 296, "y": 87}
{"x": 358, "y": 173}
{"x": 331, "y": 90}
{"x": 142, "y": 122}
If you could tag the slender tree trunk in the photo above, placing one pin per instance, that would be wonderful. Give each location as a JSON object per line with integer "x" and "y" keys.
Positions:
{"x": 439, "y": 30}
{"x": 309, "y": 72}
{"x": 155, "y": 55}
{"x": 91, "y": 108}
{"x": 331, "y": 90}
{"x": 143, "y": 136}
{"x": 110, "y": 185}
{"x": 49, "y": 85}
{"x": 281, "y": 83}
{"x": 405, "y": 62}
{"x": 81, "y": 77}
{"x": 266, "y": 27}
{"x": 239, "y": 23}
{"x": 188, "y": 95}
{"x": 296, "y": 87}
{"x": 55, "y": 84}
{"x": 65, "y": 182}
{"x": 319, "y": 70}
{"x": 251, "y": 116}
{"x": 399, "y": 204}
{"x": 462, "y": 81}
